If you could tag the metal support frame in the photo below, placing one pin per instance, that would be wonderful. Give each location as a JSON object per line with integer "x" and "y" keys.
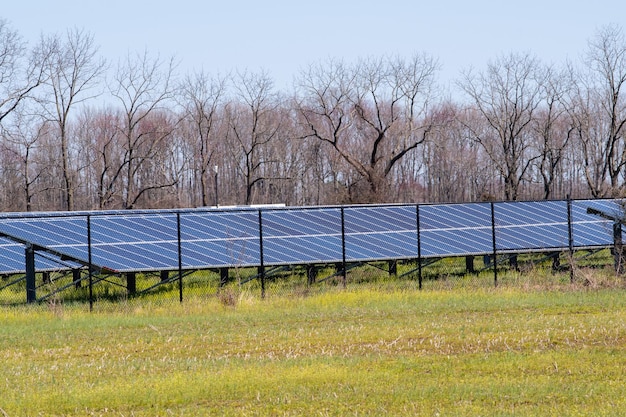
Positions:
{"x": 513, "y": 262}
{"x": 618, "y": 250}
{"x": 570, "y": 238}
{"x": 179, "y": 241}
{"x": 393, "y": 268}
{"x": 495, "y": 248}
{"x": 261, "y": 268}
{"x": 131, "y": 283}
{"x": 76, "y": 278}
{"x": 556, "y": 261}
{"x": 311, "y": 274}
{"x": 342, "y": 264}
{"x": 618, "y": 246}
{"x": 31, "y": 292}
{"x": 224, "y": 276}
{"x": 419, "y": 244}
{"x": 469, "y": 264}
{"x": 344, "y": 272}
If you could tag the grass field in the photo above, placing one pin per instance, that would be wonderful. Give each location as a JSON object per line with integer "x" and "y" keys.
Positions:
{"x": 485, "y": 352}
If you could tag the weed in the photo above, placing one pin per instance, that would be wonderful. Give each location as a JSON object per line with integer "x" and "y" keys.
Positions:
{"x": 228, "y": 296}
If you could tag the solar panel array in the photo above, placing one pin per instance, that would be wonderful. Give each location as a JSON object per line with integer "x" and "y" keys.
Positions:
{"x": 12, "y": 259}
{"x": 211, "y": 238}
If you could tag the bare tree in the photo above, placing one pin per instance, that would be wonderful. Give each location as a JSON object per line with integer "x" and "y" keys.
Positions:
{"x": 21, "y": 139}
{"x": 202, "y": 100}
{"x": 372, "y": 114}
{"x": 552, "y": 130}
{"x": 451, "y": 163}
{"x": 18, "y": 78}
{"x": 506, "y": 96}
{"x": 98, "y": 134}
{"x": 600, "y": 113}
{"x": 589, "y": 148}
{"x": 253, "y": 125}
{"x": 285, "y": 175}
{"x": 144, "y": 87}
{"x": 73, "y": 72}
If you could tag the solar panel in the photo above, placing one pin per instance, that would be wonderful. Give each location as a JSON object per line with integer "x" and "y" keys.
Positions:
{"x": 12, "y": 259}
{"x": 591, "y": 230}
{"x": 529, "y": 226}
{"x": 302, "y": 236}
{"x": 380, "y": 233}
{"x": 148, "y": 240}
{"x": 47, "y": 231}
{"x": 455, "y": 229}
{"x": 64, "y": 237}
{"x": 219, "y": 239}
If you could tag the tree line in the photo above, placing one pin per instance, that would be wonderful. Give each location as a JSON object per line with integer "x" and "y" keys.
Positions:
{"x": 77, "y": 132}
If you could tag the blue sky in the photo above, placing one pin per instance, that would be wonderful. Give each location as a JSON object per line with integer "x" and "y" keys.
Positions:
{"x": 282, "y": 37}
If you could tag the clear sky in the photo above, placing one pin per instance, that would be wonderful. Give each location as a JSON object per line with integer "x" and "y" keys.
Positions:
{"x": 284, "y": 36}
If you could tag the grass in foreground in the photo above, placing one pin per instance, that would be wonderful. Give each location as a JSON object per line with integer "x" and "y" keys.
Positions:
{"x": 487, "y": 352}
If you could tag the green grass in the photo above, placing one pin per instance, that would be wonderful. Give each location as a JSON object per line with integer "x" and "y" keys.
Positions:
{"x": 505, "y": 351}
{"x": 448, "y": 273}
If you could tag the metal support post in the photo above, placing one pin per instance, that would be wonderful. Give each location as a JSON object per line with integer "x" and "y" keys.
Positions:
{"x": 311, "y": 274}
{"x": 344, "y": 271}
{"x": 216, "y": 170}
{"x": 393, "y": 268}
{"x": 180, "y": 258}
{"x": 493, "y": 242}
{"x": 618, "y": 248}
{"x": 31, "y": 295}
{"x": 131, "y": 283}
{"x": 469, "y": 264}
{"x": 570, "y": 238}
{"x": 223, "y": 276}
{"x": 261, "y": 260}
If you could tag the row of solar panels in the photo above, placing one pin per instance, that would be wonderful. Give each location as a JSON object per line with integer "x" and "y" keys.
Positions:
{"x": 125, "y": 241}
